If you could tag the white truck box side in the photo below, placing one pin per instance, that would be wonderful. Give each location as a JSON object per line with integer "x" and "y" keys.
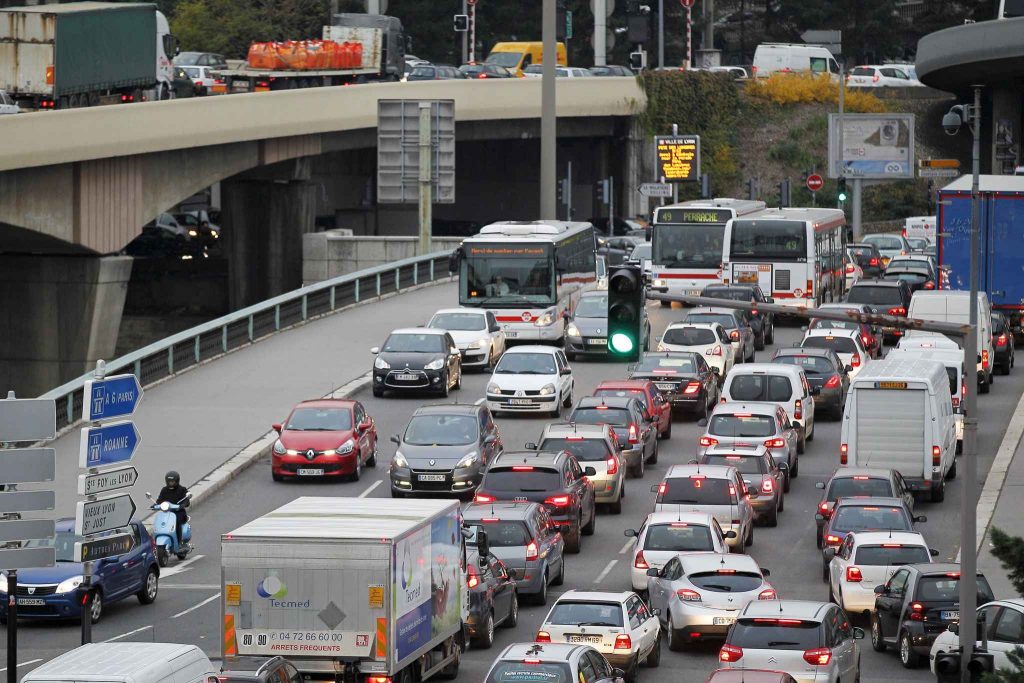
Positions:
{"x": 26, "y": 50}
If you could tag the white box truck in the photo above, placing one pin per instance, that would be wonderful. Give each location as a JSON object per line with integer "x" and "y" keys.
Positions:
{"x": 953, "y": 359}
{"x": 366, "y": 590}
{"x": 899, "y": 415}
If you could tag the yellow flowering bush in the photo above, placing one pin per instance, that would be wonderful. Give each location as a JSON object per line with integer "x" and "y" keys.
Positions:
{"x": 806, "y": 88}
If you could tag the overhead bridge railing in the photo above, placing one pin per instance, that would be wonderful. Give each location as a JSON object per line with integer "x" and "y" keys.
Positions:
{"x": 177, "y": 353}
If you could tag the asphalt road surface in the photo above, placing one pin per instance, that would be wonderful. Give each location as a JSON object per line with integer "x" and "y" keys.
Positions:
{"x": 187, "y": 609}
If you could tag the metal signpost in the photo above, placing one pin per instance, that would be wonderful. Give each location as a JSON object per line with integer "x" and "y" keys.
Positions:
{"x": 814, "y": 183}
{"x": 472, "y": 31}
{"x": 31, "y": 421}
{"x": 688, "y": 55}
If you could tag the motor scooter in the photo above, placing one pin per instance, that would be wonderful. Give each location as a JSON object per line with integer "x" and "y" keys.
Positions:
{"x": 165, "y": 535}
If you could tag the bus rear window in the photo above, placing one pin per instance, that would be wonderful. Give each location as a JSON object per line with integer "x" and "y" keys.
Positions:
{"x": 769, "y": 240}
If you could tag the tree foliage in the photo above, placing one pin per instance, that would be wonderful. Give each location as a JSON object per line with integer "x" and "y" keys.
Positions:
{"x": 229, "y": 26}
{"x": 1009, "y": 550}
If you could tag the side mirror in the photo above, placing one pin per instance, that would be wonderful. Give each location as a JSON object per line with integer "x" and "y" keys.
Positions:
{"x": 395, "y": 438}
{"x": 729, "y": 534}
{"x": 829, "y": 553}
{"x": 848, "y": 369}
{"x": 954, "y": 628}
{"x": 819, "y": 485}
{"x": 494, "y": 328}
{"x": 921, "y": 519}
{"x": 766, "y": 572}
{"x": 375, "y": 350}
{"x": 880, "y": 589}
{"x": 655, "y": 487}
{"x": 276, "y": 428}
{"x": 482, "y": 546}
{"x": 629, "y": 533}
{"x": 364, "y": 425}
{"x": 530, "y": 446}
{"x": 815, "y": 391}
{"x": 703, "y": 422}
{"x": 618, "y": 673}
{"x": 590, "y": 471}
{"x": 858, "y": 633}
{"x": 566, "y": 371}
{"x": 656, "y": 612}
{"x": 489, "y": 439}
{"x": 819, "y": 517}
{"x": 653, "y": 572}
{"x": 769, "y": 300}
{"x": 717, "y": 370}
{"x": 933, "y": 552}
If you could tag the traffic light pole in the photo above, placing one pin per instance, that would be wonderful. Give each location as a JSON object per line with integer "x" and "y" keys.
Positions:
{"x": 465, "y": 40}
{"x": 600, "y": 32}
{"x": 855, "y": 215}
{"x": 548, "y": 120}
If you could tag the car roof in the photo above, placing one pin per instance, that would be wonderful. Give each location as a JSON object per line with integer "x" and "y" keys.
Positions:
{"x": 872, "y": 537}
{"x": 870, "y": 501}
{"x": 709, "y": 471}
{"x": 558, "y": 652}
{"x": 506, "y": 509}
{"x": 737, "y": 449}
{"x": 684, "y": 323}
{"x": 610, "y": 401}
{"x": 803, "y": 351}
{"x": 807, "y": 610}
{"x": 595, "y": 596}
{"x": 707, "y": 561}
{"x": 937, "y": 568}
{"x": 752, "y": 407}
{"x": 876, "y": 282}
{"x": 326, "y": 403}
{"x": 447, "y": 409}
{"x": 461, "y": 309}
{"x": 764, "y": 368}
{"x": 625, "y": 383}
{"x": 419, "y": 330}
{"x": 832, "y": 332}
{"x": 850, "y": 472}
{"x": 692, "y": 517}
{"x": 589, "y": 431}
{"x": 536, "y": 458}
{"x": 531, "y": 348}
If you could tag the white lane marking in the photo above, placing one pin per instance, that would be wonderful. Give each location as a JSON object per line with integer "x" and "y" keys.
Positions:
{"x": 629, "y": 545}
{"x": 21, "y": 664}
{"x": 604, "y": 572}
{"x": 370, "y": 489}
{"x": 193, "y": 608}
{"x": 190, "y": 586}
{"x": 130, "y": 633}
{"x": 180, "y": 567}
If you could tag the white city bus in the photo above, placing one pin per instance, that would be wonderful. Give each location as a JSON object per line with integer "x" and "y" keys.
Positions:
{"x": 529, "y": 274}
{"x": 796, "y": 255}
{"x": 686, "y": 245}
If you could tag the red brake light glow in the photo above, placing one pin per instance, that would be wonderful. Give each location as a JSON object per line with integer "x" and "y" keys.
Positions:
{"x": 730, "y": 653}
{"x": 916, "y": 612}
{"x": 640, "y": 562}
{"x": 531, "y": 551}
{"x": 708, "y": 441}
{"x": 936, "y": 456}
{"x": 854, "y": 574}
{"x": 833, "y": 382}
{"x": 692, "y": 388}
{"x": 623, "y": 642}
{"x": 833, "y": 540}
{"x": 557, "y": 501}
{"x": 688, "y": 595}
{"x": 543, "y": 637}
{"x": 483, "y": 498}
{"x": 844, "y": 451}
{"x": 767, "y": 594}
{"x": 767, "y": 485}
{"x": 633, "y": 436}
{"x": 775, "y": 443}
{"x": 818, "y": 657}
{"x": 856, "y": 360}
{"x": 612, "y": 464}
{"x": 898, "y": 310}
{"x": 522, "y": 468}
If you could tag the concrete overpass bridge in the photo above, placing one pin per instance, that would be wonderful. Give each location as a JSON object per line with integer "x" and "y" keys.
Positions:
{"x": 76, "y": 186}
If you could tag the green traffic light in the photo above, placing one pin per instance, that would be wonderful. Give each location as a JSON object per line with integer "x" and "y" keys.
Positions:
{"x": 622, "y": 343}
{"x": 842, "y": 196}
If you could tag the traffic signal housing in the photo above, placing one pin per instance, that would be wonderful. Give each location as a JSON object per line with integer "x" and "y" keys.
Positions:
{"x": 841, "y": 193}
{"x": 947, "y": 666}
{"x": 461, "y": 22}
{"x": 625, "y": 312}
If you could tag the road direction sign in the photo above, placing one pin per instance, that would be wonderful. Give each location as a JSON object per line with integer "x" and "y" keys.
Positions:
{"x": 26, "y": 501}
{"x": 109, "y": 480}
{"x": 938, "y": 172}
{"x": 110, "y": 444}
{"x": 815, "y": 182}
{"x": 25, "y": 529}
{"x": 104, "y": 514}
{"x": 27, "y": 558}
{"x": 28, "y": 419}
{"x": 110, "y": 397}
{"x": 27, "y": 465}
{"x": 655, "y": 190}
{"x": 108, "y": 546}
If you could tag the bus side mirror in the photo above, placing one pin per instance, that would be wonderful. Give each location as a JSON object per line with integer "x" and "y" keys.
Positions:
{"x": 454, "y": 259}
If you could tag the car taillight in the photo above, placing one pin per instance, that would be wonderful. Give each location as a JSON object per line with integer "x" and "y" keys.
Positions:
{"x": 916, "y": 611}
{"x": 867, "y": 339}
{"x": 633, "y": 438}
{"x": 856, "y": 360}
{"x": 775, "y": 443}
{"x": 531, "y": 550}
{"x": 717, "y": 351}
{"x": 929, "y": 285}
{"x": 543, "y": 637}
{"x": 849, "y": 269}
{"x": 612, "y": 464}
{"x": 898, "y": 310}
{"x": 832, "y": 540}
{"x": 854, "y": 574}
{"x": 557, "y": 501}
{"x": 483, "y": 498}
{"x": 819, "y": 656}
{"x": 832, "y": 382}
{"x": 708, "y": 441}
{"x": 369, "y": 679}
{"x": 824, "y": 508}
{"x": 688, "y": 595}
{"x": 623, "y": 642}
{"x": 956, "y": 402}
{"x": 767, "y": 594}
{"x": 984, "y": 359}
{"x": 873, "y": 262}
{"x": 640, "y": 562}
{"x": 1001, "y": 340}
{"x": 936, "y": 456}
{"x": 798, "y": 413}
{"x": 734, "y": 335}
{"x": 692, "y": 388}
{"x": 767, "y": 485}
{"x": 730, "y": 653}
{"x": 844, "y": 451}
{"x": 875, "y": 79}
{"x": 473, "y": 577}
{"x": 661, "y": 488}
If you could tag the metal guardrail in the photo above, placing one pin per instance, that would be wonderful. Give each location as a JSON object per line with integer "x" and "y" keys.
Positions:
{"x": 218, "y": 337}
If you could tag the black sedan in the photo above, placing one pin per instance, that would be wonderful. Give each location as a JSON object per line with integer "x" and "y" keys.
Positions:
{"x": 1003, "y": 343}
{"x": 417, "y": 359}
{"x": 762, "y": 322}
{"x": 493, "y": 600}
{"x": 481, "y": 71}
{"x": 683, "y": 377}
{"x": 826, "y": 373}
{"x": 868, "y": 258}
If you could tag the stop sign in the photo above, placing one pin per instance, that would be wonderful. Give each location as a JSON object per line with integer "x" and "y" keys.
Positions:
{"x": 686, "y": 3}
{"x": 815, "y": 182}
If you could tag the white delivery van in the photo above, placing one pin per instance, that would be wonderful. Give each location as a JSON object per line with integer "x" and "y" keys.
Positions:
{"x": 953, "y": 359}
{"x": 954, "y": 307}
{"x": 899, "y": 415}
{"x": 127, "y": 663}
{"x": 772, "y": 58}
{"x": 920, "y": 227}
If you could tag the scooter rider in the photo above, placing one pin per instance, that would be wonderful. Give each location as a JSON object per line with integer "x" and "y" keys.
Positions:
{"x": 175, "y": 494}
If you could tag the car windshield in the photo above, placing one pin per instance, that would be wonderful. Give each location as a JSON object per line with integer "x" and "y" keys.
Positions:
{"x": 596, "y": 415}
{"x": 742, "y": 425}
{"x": 910, "y": 277}
{"x": 889, "y": 554}
{"x": 503, "y": 533}
{"x": 697, "y": 490}
{"x": 319, "y": 420}
{"x": 572, "y": 613}
{"x": 811, "y": 365}
{"x": 459, "y": 322}
{"x": 885, "y": 242}
{"x": 836, "y": 343}
{"x": 585, "y": 450}
{"x": 64, "y": 543}
{"x": 730, "y": 293}
{"x": 776, "y": 634}
{"x": 865, "y": 517}
{"x": 822, "y": 324}
{"x": 186, "y": 58}
{"x": 661, "y": 365}
{"x": 592, "y": 307}
{"x": 760, "y": 388}
{"x": 679, "y": 537}
{"x": 526, "y": 364}
{"x": 530, "y": 672}
{"x": 726, "y": 581}
{"x": 769, "y": 240}
{"x": 523, "y": 478}
{"x": 851, "y": 487}
{"x": 689, "y": 336}
{"x": 442, "y": 430}
{"x": 746, "y": 464}
{"x": 638, "y": 394}
{"x": 723, "y": 319}
{"x": 505, "y": 59}
{"x": 414, "y": 343}
{"x": 947, "y": 588}
{"x": 641, "y": 252}
{"x": 868, "y": 294}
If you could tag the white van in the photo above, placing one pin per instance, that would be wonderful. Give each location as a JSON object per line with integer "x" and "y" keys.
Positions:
{"x": 920, "y": 227}
{"x": 953, "y": 359}
{"x": 772, "y": 58}
{"x": 127, "y": 663}
{"x": 954, "y": 307}
{"x": 784, "y": 385}
{"x": 899, "y": 415}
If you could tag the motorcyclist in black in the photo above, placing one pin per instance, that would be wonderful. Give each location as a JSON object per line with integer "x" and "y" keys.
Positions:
{"x": 175, "y": 494}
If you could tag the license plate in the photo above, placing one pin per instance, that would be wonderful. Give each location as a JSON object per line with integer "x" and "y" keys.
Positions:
{"x": 406, "y": 376}
{"x": 723, "y": 621}
{"x": 694, "y": 292}
{"x": 36, "y": 602}
{"x": 430, "y": 477}
{"x": 520, "y": 401}
{"x": 310, "y": 472}
{"x": 511, "y": 334}
{"x": 583, "y": 639}
{"x": 666, "y": 387}
{"x": 950, "y": 615}
{"x": 598, "y": 342}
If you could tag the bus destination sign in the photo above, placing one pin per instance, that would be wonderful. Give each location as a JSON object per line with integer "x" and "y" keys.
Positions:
{"x": 677, "y": 157}
{"x": 676, "y": 216}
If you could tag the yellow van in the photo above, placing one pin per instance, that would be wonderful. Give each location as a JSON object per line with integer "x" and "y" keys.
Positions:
{"x": 517, "y": 56}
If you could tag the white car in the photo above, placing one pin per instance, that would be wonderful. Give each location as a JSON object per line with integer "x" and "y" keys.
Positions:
{"x": 866, "y": 559}
{"x": 667, "y": 534}
{"x": 853, "y": 270}
{"x": 203, "y": 80}
{"x": 717, "y": 490}
{"x": 1005, "y": 622}
{"x": 783, "y": 385}
{"x": 531, "y": 379}
{"x": 618, "y": 625}
{"x": 884, "y": 76}
{"x": 7, "y": 104}
{"x": 537, "y": 71}
{"x": 846, "y": 343}
{"x": 889, "y": 245}
{"x": 709, "y": 339}
{"x": 476, "y": 332}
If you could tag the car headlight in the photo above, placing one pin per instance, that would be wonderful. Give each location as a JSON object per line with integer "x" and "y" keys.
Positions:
{"x": 547, "y": 390}
{"x": 399, "y": 460}
{"x": 345, "y": 448}
{"x": 214, "y": 234}
{"x": 484, "y": 343}
{"x": 193, "y": 233}
{"x": 493, "y": 388}
{"x": 572, "y": 330}
{"x": 68, "y": 585}
{"x": 660, "y": 283}
{"x": 279, "y": 447}
{"x": 381, "y": 364}
{"x": 434, "y": 364}
{"x": 3, "y": 582}
{"x": 660, "y": 348}
{"x": 469, "y": 460}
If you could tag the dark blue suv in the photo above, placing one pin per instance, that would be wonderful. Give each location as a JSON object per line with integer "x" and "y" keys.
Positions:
{"x": 56, "y": 593}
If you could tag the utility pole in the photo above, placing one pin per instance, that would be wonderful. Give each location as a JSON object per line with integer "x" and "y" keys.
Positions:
{"x": 472, "y": 30}
{"x": 465, "y": 37}
{"x": 548, "y": 120}
{"x": 373, "y": 6}
{"x": 426, "y": 172}
{"x": 708, "y": 13}
{"x": 600, "y": 32}
{"x": 661, "y": 33}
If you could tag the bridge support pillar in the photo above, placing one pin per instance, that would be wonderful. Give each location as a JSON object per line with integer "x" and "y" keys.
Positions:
{"x": 59, "y": 315}
{"x": 264, "y": 224}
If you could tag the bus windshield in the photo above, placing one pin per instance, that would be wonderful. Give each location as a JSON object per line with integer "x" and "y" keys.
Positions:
{"x": 691, "y": 245}
{"x": 769, "y": 240}
{"x": 499, "y": 275}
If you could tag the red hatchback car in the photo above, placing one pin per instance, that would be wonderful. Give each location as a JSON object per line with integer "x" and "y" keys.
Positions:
{"x": 325, "y": 438}
{"x": 647, "y": 393}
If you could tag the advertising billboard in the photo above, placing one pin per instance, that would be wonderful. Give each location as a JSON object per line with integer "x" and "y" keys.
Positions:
{"x": 871, "y": 146}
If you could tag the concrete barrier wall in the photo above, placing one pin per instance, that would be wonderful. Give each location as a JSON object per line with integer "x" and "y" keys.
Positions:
{"x": 338, "y": 252}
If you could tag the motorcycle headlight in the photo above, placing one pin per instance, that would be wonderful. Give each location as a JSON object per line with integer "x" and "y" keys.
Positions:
{"x": 484, "y": 343}
{"x": 68, "y": 585}
{"x": 279, "y": 447}
{"x": 572, "y": 330}
{"x": 345, "y": 448}
{"x": 165, "y": 506}
{"x": 469, "y": 460}
{"x": 547, "y": 390}
{"x": 399, "y": 460}
{"x": 381, "y": 364}
{"x": 493, "y": 388}
{"x": 193, "y": 233}
{"x": 434, "y": 364}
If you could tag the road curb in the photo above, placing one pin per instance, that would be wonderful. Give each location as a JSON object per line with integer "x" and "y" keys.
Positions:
{"x": 989, "y": 497}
